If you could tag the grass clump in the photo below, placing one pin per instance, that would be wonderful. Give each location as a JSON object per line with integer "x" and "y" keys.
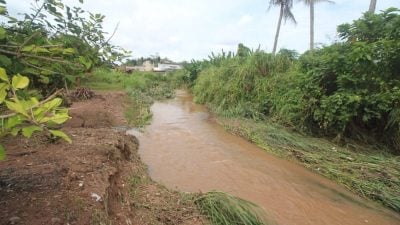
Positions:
{"x": 224, "y": 209}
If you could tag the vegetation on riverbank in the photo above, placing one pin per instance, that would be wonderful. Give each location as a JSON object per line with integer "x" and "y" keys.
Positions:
{"x": 334, "y": 109}
{"x": 143, "y": 89}
{"x": 369, "y": 173}
{"x": 225, "y": 209}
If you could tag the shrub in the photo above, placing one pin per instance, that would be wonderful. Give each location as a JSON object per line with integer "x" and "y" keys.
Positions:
{"x": 354, "y": 87}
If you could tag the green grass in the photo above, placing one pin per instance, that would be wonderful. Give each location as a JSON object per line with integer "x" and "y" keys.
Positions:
{"x": 143, "y": 89}
{"x": 371, "y": 173}
{"x": 224, "y": 209}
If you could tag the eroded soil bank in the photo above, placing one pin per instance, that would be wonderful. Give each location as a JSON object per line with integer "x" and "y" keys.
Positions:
{"x": 185, "y": 149}
{"x": 98, "y": 179}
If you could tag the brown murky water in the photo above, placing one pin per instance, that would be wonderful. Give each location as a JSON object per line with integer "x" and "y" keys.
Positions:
{"x": 187, "y": 151}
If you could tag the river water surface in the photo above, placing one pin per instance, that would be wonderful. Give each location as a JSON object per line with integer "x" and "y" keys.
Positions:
{"x": 185, "y": 150}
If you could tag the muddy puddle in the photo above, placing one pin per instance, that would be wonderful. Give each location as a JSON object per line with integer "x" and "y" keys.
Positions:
{"x": 185, "y": 150}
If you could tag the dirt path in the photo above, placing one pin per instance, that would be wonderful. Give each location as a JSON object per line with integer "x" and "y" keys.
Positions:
{"x": 98, "y": 179}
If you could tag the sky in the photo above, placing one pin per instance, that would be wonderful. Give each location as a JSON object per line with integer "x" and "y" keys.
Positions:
{"x": 185, "y": 30}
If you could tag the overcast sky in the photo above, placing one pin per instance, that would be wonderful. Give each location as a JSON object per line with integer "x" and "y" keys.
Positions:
{"x": 186, "y": 29}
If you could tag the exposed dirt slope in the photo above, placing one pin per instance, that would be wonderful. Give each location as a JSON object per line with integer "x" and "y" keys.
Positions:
{"x": 98, "y": 179}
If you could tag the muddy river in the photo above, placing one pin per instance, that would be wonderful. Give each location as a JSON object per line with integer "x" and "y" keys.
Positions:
{"x": 185, "y": 150}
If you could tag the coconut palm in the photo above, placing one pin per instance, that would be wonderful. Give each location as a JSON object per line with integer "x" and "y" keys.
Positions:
{"x": 372, "y": 6}
{"x": 311, "y": 3}
{"x": 285, "y": 14}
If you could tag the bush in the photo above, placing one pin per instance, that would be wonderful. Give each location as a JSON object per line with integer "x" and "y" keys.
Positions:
{"x": 350, "y": 89}
{"x": 353, "y": 88}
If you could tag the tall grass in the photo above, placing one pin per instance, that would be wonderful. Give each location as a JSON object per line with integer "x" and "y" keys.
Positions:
{"x": 244, "y": 86}
{"x": 224, "y": 209}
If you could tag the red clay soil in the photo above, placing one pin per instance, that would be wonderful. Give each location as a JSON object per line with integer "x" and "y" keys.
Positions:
{"x": 98, "y": 179}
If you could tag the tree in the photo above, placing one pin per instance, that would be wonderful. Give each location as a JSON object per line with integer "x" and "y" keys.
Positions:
{"x": 372, "y": 6}
{"x": 285, "y": 13}
{"x": 51, "y": 46}
{"x": 311, "y": 3}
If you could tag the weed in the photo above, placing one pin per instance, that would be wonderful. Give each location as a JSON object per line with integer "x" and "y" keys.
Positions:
{"x": 99, "y": 218}
{"x": 138, "y": 180}
{"x": 73, "y": 209}
{"x": 225, "y": 209}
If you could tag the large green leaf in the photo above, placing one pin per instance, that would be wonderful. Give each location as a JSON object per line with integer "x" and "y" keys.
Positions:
{"x": 28, "y": 48}
{"x": 13, "y": 121}
{"x": 16, "y": 107}
{"x": 15, "y": 130}
{"x": 57, "y": 119}
{"x": 39, "y": 49}
{"x": 85, "y": 61}
{"x": 3, "y": 75}
{"x": 58, "y": 133}
{"x": 29, "y": 104}
{"x": 2, "y": 152}
{"x": 3, "y": 91}
{"x": 52, "y": 104}
{"x": 19, "y": 82}
{"x": 28, "y": 131}
{"x": 5, "y": 61}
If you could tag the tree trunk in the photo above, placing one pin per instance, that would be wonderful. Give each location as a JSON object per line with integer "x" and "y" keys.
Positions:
{"x": 311, "y": 25}
{"x": 278, "y": 29}
{"x": 372, "y": 6}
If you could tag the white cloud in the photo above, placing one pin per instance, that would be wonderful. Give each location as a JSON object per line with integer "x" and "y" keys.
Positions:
{"x": 245, "y": 19}
{"x": 182, "y": 29}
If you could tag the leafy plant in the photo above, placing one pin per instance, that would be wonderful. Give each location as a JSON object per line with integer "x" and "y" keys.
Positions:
{"x": 352, "y": 88}
{"x": 27, "y": 116}
{"x": 54, "y": 44}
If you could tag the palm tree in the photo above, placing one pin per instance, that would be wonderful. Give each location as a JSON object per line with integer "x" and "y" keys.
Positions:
{"x": 311, "y": 3}
{"x": 372, "y": 6}
{"x": 285, "y": 13}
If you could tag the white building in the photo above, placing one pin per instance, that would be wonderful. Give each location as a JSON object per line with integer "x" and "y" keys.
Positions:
{"x": 165, "y": 67}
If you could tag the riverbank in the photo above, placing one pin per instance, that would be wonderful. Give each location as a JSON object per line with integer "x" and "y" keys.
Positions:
{"x": 98, "y": 179}
{"x": 362, "y": 169}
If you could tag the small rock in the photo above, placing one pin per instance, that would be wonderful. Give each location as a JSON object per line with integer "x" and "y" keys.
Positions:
{"x": 56, "y": 220}
{"x": 14, "y": 220}
{"x": 96, "y": 197}
{"x": 158, "y": 194}
{"x": 81, "y": 184}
